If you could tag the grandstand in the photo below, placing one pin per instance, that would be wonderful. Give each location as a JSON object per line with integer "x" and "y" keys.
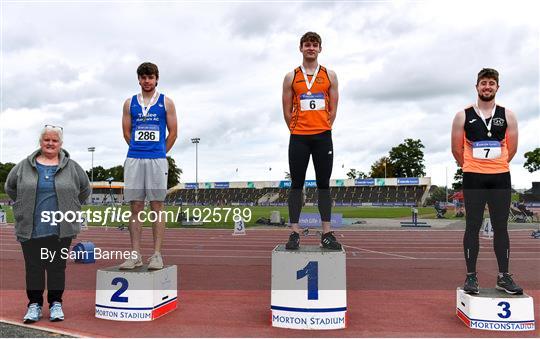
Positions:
{"x": 344, "y": 192}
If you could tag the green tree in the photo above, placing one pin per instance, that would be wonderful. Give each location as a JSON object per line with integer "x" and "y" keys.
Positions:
{"x": 100, "y": 174}
{"x": 377, "y": 169}
{"x": 408, "y": 159}
{"x": 174, "y": 173}
{"x": 458, "y": 179}
{"x": 436, "y": 194}
{"x": 533, "y": 160}
{"x": 352, "y": 173}
{"x": 5, "y": 168}
{"x": 355, "y": 174}
{"x": 116, "y": 172}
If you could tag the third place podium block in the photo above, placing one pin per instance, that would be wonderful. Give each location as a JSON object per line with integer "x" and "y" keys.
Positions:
{"x": 308, "y": 288}
{"x": 135, "y": 295}
{"x": 495, "y": 310}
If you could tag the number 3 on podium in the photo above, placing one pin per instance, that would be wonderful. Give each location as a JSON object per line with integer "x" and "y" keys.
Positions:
{"x": 311, "y": 270}
{"x": 505, "y": 308}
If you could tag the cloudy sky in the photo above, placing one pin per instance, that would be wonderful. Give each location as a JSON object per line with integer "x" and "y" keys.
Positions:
{"x": 405, "y": 68}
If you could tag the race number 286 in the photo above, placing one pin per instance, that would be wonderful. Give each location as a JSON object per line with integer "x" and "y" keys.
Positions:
{"x": 146, "y": 136}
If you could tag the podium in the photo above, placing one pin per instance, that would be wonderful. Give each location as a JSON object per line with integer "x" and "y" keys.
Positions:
{"x": 135, "y": 295}
{"x": 495, "y": 310}
{"x": 308, "y": 288}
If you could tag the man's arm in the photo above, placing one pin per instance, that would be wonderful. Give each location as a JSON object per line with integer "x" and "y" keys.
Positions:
{"x": 126, "y": 121}
{"x": 511, "y": 134}
{"x": 334, "y": 96}
{"x": 457, "y": 137}
{"x": 287, "y": 97}
{"x": 172, "y": 124}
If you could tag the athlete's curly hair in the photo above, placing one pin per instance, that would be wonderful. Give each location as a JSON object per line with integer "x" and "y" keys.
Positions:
{"x": 311, "y": 36}
{"x": 488, "y": 73}
{"x": 148, "y": 68}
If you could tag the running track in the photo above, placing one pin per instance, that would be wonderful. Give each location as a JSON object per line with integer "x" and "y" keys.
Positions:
{"x": 400, "y": 283}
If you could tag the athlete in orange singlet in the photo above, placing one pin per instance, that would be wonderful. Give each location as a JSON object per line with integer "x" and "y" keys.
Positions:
{"x": 310, "y": 98}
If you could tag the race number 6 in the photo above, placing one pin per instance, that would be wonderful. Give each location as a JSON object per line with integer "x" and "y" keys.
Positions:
{"x": 312, "y": 272}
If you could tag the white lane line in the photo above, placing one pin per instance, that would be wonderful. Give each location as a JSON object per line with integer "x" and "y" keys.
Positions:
{"x": 371, "y": 251}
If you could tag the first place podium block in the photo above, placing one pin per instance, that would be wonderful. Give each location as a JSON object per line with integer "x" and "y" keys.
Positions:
{"x": 308, "y": 288}
{"x": 495, "y": 310}
{"x": 135, "y": 295}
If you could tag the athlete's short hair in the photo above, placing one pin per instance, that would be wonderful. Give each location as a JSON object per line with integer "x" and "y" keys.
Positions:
{"x": 148, "y": 68}
{"x": 311, "y": 36}
{"x": 488, "y": 73}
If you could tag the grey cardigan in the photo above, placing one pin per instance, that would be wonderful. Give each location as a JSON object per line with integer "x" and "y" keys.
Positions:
{"x": 72, "y": 189}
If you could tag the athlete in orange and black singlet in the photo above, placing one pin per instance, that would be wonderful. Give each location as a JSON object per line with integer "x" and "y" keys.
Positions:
{"x": 484, "y": 141}
{"x": 310, "y": 98}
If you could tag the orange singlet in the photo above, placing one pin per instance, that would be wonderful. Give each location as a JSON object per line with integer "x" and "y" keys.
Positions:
{"x": 310, "y": 107}
{"x": 485, "y": 152}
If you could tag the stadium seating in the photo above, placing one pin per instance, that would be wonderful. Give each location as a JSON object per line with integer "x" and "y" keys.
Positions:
{"x": 345, "y": 195}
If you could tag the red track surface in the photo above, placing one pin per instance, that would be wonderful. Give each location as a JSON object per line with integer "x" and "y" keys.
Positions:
{"x": 400, "y": 283}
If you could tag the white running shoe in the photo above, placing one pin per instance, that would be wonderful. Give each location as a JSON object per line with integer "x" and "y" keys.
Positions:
{"x": 56, "y": 312}
{"x": 33, "y": 314}
{"x": 131, "y": 263}
{"x": 155, "y": 262}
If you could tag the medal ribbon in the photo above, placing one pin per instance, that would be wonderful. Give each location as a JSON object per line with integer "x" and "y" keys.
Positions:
{"x": 481, "y": 115}
{"x": 309, "y": 84}
{"x": 144, "y": 108}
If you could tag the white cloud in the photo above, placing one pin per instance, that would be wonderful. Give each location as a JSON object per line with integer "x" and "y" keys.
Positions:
{"x": 404, "y": 67}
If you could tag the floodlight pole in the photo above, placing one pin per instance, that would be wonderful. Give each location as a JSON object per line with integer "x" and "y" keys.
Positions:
{"x": 92, "y": 149}
{"x": 196, "y": 142}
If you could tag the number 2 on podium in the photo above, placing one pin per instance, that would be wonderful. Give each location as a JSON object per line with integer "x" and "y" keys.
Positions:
{"x": 312, "y": 272}
{"x": 116, "y": 297}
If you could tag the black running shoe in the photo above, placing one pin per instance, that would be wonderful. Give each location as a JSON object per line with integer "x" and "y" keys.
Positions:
{"x": 294, "y": 241}
{"x": 328, "y": 241}
{"x": 471, "y": 284}
{"x": 507, "y": 284}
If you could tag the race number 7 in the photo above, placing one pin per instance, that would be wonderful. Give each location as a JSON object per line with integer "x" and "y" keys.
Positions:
{"x": 487, "y": 151}
{"x": 312, "y": 272}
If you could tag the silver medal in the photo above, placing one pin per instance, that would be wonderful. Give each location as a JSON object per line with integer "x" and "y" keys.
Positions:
{"x": 308, "y": 93}
{"x": 489, "y": 134}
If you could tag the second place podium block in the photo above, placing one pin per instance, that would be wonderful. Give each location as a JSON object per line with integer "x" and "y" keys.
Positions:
{"x": 135, "y": 295}
{"x": 309, "y": 289}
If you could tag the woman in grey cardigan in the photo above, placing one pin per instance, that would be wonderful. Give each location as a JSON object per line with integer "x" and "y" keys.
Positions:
{"x": 46, "y": 181}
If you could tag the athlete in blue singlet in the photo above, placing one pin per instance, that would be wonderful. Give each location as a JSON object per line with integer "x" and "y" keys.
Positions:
{"x": 145, "y": 119}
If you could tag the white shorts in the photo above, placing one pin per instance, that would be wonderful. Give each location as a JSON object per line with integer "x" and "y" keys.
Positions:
{"x": 145, "y": 178}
